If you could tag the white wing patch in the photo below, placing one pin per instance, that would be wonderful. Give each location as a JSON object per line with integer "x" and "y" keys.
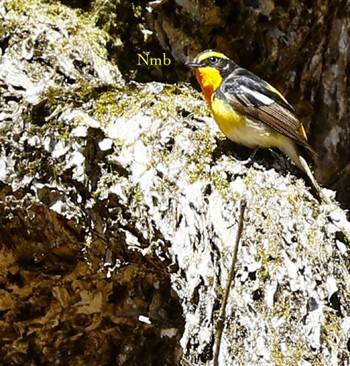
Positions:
{"x": 256, "y": 95}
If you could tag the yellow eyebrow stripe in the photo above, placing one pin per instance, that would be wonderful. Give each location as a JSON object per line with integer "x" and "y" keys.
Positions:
{"x": 211, "y": 54}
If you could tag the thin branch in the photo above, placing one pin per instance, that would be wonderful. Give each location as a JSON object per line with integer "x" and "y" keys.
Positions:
{"x": 222, "y": 313}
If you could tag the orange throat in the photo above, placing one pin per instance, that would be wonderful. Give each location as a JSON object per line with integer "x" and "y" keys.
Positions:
{"x": 209, "y": 80}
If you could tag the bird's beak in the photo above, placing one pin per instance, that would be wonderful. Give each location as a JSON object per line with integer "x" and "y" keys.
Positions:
{"x": 192, "y": 65}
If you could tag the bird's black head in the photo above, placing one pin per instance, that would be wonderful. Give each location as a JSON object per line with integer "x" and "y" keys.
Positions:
{"x": 214, "y": 59}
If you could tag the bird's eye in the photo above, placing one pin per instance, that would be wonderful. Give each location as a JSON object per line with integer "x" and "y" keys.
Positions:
{"x": 213, "y": 60}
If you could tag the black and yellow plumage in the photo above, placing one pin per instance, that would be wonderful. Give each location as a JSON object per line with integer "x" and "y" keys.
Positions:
{"x": 250, "y": 111}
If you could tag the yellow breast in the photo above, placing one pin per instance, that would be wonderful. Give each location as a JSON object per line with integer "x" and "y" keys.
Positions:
{"x": 226, "y": 117}
{"x": 244, "y": 130}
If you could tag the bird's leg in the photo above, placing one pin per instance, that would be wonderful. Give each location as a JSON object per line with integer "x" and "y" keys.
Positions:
{"x": 280, "y": 158}
{"x": 250, "y": 158}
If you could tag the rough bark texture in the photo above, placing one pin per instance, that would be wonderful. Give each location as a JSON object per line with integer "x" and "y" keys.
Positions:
{"x": 300, "y": 46}
{"x": 120, "y": 202}
{"x": 72, "y": 288}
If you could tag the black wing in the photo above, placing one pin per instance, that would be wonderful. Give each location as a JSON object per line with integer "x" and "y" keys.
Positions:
{"x": 256, "y": 98}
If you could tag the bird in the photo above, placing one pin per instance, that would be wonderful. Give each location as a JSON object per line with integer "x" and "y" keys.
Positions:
{"x": 250, "y": 111}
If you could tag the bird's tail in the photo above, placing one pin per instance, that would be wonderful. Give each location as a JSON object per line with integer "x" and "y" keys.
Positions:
{"x": 291, "y": 150}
